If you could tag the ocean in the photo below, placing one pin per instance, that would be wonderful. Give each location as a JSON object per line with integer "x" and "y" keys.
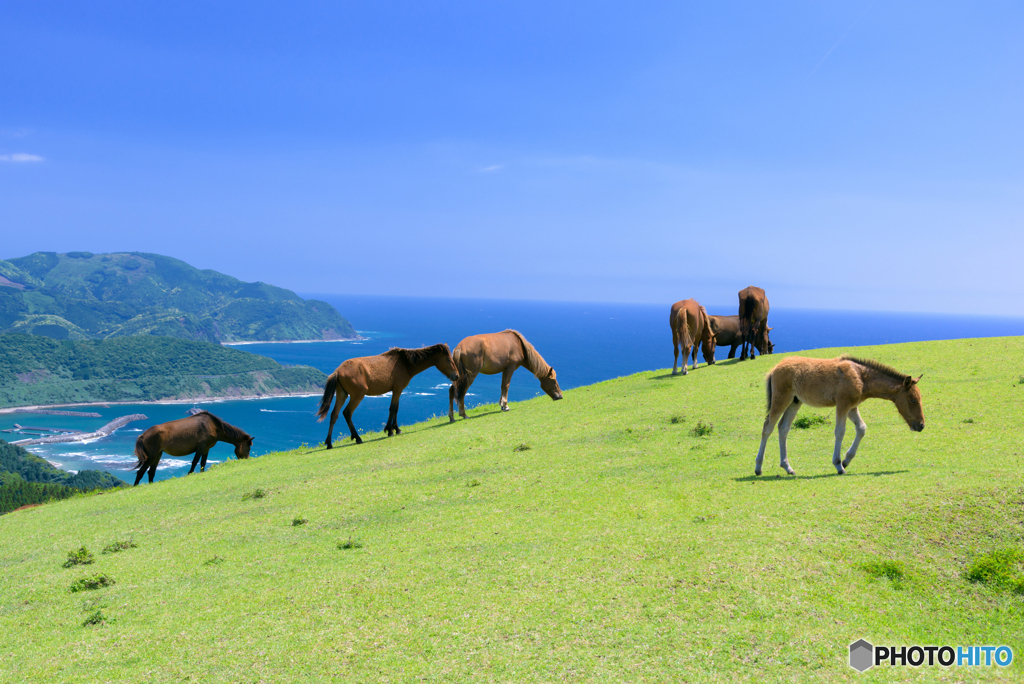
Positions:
{"x": 585, "y": 342}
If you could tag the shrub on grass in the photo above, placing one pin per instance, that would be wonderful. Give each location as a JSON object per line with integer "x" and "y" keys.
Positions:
{"x": 350, "y": 544}
{"x": 805, "y": 422}
{"x": 702, "y": 429}
{"x": 967, "y": 420}
{"x": 522, "y": 447}
{"x": 999, "y": 568}
{"x": 889, "y": 569}
{"x": 299, "y": 521}
{"x": 254, "y": 494}
{"x": 96, "y": 618}
{"x": 676, "y": 420}
{"x": 216, "y": 560}
{"x": 119, "y": 546}
{"x": 473, "y": 483}
{"x": 91, "y": 583}
{"x": 81, "y": 556}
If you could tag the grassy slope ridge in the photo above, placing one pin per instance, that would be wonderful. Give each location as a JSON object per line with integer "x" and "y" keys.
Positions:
{"x": 80, "y": 295}
{"x": 617, "y": 547}
{"x": 38, "y": 370}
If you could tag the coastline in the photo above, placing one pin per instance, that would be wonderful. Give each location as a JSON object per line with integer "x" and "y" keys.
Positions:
{"x": 197, "y": 400}
{"x": 359, "y": 338}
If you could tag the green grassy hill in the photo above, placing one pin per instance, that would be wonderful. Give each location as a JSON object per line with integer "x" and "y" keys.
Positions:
{"x": 37, "y": 370}
{"x": 599, "y": 538}
{"x": 81, "y": 295}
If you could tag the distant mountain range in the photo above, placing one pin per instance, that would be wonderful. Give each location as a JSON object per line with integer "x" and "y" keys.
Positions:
{"x": 86, "y": 296}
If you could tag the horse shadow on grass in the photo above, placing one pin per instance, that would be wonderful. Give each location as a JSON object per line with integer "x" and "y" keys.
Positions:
{"x": 793, "y": 478}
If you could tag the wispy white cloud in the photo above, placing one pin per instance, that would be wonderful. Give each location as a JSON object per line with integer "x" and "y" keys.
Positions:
{"x": 20, "y": 157}
{"x": 492, "y": 169}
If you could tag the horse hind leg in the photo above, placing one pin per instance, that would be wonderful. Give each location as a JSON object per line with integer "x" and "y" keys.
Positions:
{"x": 195, "y": 462}
{"x": 784, "y": 425}
{"x": 339, "y": 401}
{"x": 352, "y": 404}
{"x": 506, "y": 380}
{"x": 780, "y": 403}
{"x": 452, "y": 391}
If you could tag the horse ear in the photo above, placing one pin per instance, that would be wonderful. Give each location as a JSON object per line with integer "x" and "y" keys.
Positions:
{"x": 551, "y": 373}
{"x": 919, "y": 378}
{"x": 909, "y": 382}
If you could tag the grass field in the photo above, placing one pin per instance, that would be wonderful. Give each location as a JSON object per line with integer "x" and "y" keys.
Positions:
{"x": 598, "y": 538}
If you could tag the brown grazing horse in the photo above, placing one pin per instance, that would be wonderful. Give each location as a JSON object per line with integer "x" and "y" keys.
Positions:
{"x": 726, "y": 330}
{"x": 843, "y": 382}
{"x": 494, "y": 353}
{"x": 689, "y": 323}
{"x": 377, "y": 375}
{"x": 754, "y": 322}
{"x": 193, "y": 435}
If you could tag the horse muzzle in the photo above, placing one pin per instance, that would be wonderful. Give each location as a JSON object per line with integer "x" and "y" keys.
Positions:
{"x": 918, "y": 426}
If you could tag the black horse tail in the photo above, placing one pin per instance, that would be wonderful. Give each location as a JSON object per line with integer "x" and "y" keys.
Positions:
{"x": 325, "y": 403}
{"x": 462, "y": 384}
{"x": 140, "y": 453}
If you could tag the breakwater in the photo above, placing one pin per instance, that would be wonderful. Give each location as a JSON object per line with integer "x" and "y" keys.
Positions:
{"x": 84, "y": 436}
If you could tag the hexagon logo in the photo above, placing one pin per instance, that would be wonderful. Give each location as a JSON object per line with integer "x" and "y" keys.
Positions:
{"x": 861, "y": 655}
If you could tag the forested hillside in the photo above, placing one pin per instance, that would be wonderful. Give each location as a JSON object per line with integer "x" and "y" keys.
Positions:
{"x": 38, "y": 370}
{"x": 27, "y": 479}
{"x": 80, "y": 295}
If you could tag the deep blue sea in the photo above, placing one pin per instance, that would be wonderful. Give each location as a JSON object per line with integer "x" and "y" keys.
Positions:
{"x": 586, "y": 343}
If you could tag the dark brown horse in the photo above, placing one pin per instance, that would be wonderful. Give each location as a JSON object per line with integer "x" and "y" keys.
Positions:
{"x": 193, "y": 435}
{"x": 754, "y": 322}
{"x": 689, "y": 323}
{"x": 377, "y": 375}
{"x": 493, "y": 353}
{"x": 727, "y": 333}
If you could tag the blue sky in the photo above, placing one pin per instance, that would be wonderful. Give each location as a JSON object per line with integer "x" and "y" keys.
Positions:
{"x": 859, "y": 155}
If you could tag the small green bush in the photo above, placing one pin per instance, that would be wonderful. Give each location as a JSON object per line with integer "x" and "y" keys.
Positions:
{"x": 91, "y": 583}
{"x": 350, "y": 544}
{"x": 701, "y": 429}
{"x": 299, "y": 521}
{"x": 119, "y": 546}
{"x": 254, "y": 494}
{"x": 967, "y": 420}
{"x": 805, "y": 422}
{"x": 96, "y": 618}
{"x": 675, "y": 420}
{"x": 999, "y": 568}
{"x": 80, "y": 556}
{"x": 889, "y": 569}
{"x": 473, "y": 483}
{"x": 216, "y": 560}
{"x": 522, "y": 447}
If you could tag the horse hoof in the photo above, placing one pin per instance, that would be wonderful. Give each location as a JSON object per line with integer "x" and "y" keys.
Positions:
{"x": 451, "y": 419}
{"x": 840, "y": 471}
{"x": 397, "y": 431}
{"x": 791, "y": 472}
{"x": 329, "y": 445}
{"x": 757, "y": 472}
{"x": 504, "y": 408}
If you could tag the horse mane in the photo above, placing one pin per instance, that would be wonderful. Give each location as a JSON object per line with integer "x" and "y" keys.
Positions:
{"x": 412, "y": 357}
{"x": 534, "y": 362}
{"x": 228, "y": 429}
{"x": 878, "y": 366}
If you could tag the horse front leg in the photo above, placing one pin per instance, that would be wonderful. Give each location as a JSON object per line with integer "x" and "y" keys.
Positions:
{"x": 506, "y": 380}
{"x": 195, "y": 462}
{"x": 861, "y": 427}
{"x": 392, "y": 423}
{"x": 451, "y": 402}
{"x": 841, "y": 413}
